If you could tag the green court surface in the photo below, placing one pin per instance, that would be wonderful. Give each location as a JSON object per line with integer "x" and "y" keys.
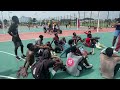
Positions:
{"x": 9, "y": 65}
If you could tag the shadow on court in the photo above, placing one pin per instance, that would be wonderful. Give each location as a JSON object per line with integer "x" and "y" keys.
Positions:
{"x": 61, "y": 75}
{"x": 8, "y": 72}
{"x": 86, "y": 72}
{"x": 117, "y": 75}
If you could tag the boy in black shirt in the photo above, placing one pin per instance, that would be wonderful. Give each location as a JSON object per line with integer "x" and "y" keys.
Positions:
{"x": 13, "y": 31}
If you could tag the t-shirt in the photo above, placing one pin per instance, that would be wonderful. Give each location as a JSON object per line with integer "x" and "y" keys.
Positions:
{"x": 74, "y": 37}
{"x": 38, "y": 41}
{"x": 72, "y": 64}
{"x": 107, "y": 65}
{"x": 56, "y": 38}
{"x": 87, "y": 41}
{"x": 62, "y": 42}
{"x": 13, "y": 28}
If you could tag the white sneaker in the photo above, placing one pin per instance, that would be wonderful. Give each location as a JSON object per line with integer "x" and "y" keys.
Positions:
{"x": 98, "y": 47}
{"x": 113, "y": 47}
{"x": 30, "y": 67}
{"x": 115, "y": 51}
{"x": 90, "y": 66}
{"x": 93, "y": 53}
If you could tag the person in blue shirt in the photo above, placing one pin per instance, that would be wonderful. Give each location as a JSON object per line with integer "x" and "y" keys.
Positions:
{"x": 67, "y": 47}
{"x": 117, "y": 32}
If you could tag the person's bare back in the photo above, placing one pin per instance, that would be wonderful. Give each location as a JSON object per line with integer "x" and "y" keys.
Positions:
{"x": 107, "y": 65}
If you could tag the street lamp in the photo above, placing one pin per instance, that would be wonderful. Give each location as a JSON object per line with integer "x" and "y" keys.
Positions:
{"x": 2, "y": 21}
{"x": 84, "y": 17}
{"x": 90, "y": 17}
{"x": 107, "y": 19}
{"x": 78, "y": 20}
{"x": 41, "y": 18}
{"x": 98, "y": 21}
{"x": 9, "y": 16}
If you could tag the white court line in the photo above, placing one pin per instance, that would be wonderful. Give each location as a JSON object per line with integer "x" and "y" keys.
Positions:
{"x": 10, "y": 54}
{"x": 7, "y": 77}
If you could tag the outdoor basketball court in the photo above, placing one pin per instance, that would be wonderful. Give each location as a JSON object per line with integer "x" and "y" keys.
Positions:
{"x": 9, "y": 65}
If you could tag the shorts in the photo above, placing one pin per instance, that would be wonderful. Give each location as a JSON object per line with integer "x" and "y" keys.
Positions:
{"x": 17, "y": 44}
{"x": 31, "y": 62}
{"x": 116, "y": 33}
{"x": 17, "y": 41}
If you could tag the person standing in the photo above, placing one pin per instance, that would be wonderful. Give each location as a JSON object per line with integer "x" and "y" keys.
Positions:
{"x": 117, "y": 32}
{"x": 13, "y": 31}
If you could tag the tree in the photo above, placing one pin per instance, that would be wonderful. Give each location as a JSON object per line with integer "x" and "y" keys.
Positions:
{"x": 34, "y": 20}
{"x": 30, "y": 20}
{"x": 5, "y": 22}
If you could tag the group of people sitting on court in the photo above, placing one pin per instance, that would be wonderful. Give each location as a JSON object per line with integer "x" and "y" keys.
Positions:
{"x": 44, "y": 62}
{"x": 52, "y": 28}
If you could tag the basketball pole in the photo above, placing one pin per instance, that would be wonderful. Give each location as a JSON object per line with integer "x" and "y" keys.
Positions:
{"x": 2, "y": 22}
{"x": 77, "y": 23}
{"x": 98, "y": 21}
{"x": 78, "y": 19}
{"x": 90, "y": 17}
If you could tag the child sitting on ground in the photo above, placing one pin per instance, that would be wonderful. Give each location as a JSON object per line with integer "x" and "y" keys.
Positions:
{"x": 76, "y": 38}
{"x": 93, "y": 40}
{"x": 75, "y": 63}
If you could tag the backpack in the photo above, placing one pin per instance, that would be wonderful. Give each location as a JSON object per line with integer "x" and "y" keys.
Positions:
{"x": 37, "y": 69}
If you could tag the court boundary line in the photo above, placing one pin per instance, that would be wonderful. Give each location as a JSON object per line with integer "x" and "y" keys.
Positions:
{"x": 11, "y": 55}
{"x": 7, "y": 77}
{"x": 59, "y": 36}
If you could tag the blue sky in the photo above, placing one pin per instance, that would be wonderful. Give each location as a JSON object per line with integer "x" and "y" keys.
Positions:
{"x": 47, "y": 14}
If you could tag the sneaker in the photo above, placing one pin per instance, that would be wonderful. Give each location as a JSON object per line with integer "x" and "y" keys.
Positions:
{"x": 17, "y": 58}
{"x": 98, "y": 47}
{"x": 115, "y": 51}
{"x": 90, "y": 66}
{"x": 92, "y": 53}
{"x": 113, "y": 47}
{"x": 30, "y": 67}
{"x": 23, "y": 56}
